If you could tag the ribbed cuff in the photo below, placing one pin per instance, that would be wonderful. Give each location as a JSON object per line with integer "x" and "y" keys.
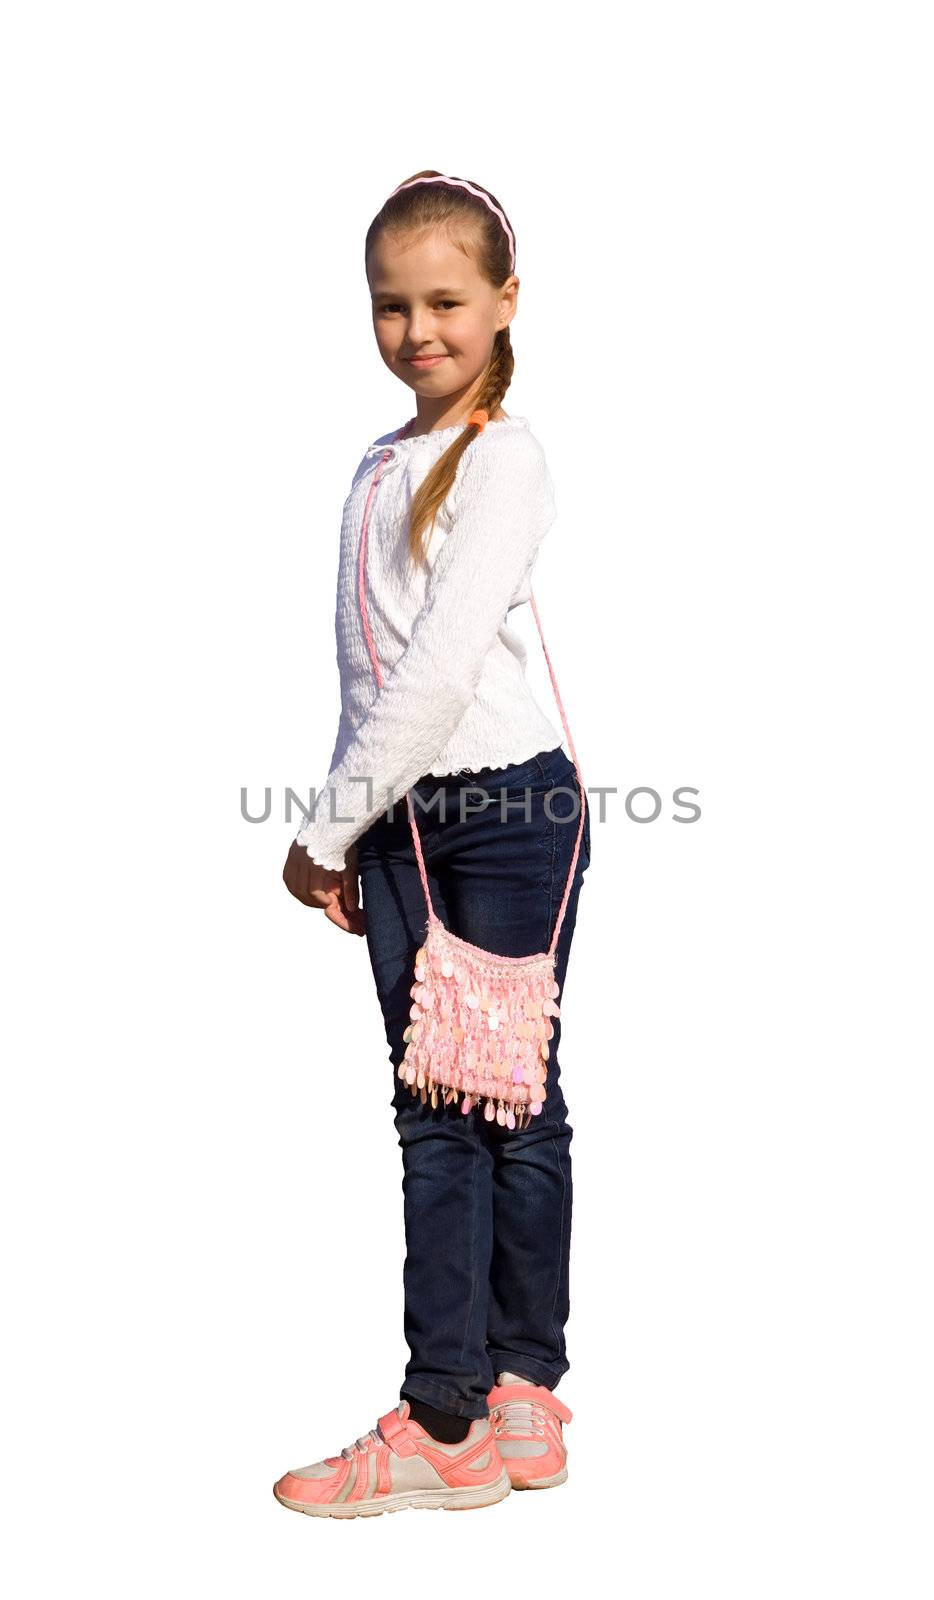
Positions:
{"x": 323, "y": 854}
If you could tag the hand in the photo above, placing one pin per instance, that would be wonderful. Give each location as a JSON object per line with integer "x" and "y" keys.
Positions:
{"x": 335, "y": 893}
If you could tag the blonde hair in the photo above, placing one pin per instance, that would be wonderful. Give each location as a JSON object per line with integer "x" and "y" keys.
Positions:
{"x": 424, "y": 206}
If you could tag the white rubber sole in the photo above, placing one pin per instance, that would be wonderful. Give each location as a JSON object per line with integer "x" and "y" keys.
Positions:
{"x": 466, "y": 1499}
{"x": 541, "y": 1483}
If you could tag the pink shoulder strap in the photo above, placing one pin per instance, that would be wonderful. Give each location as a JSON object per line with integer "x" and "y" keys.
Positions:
{"x": 432, "y": 915}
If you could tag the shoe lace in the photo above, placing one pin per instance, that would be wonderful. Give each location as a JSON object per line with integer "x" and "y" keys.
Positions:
{"x": 520, "y": 1416}
{"x": 372, "y": 1436}
{"x": 361, "y": 1444}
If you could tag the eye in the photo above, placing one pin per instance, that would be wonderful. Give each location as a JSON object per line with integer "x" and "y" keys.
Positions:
{"x": 394, "y": 305}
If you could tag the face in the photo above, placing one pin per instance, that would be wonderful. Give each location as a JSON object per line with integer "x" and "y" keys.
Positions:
{"x": 435, "y": 318}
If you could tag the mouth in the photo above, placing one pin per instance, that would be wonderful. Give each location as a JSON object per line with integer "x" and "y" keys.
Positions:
{"x": 425, "y": 361}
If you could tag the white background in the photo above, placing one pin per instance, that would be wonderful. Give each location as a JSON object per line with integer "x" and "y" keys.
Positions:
{"x": 724, "y": 344}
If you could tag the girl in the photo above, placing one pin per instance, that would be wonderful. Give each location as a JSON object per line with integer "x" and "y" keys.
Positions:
{"x": 487, "y": 1206}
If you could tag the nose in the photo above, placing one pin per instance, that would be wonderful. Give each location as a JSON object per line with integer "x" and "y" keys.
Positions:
{"x": 420, "y": 331}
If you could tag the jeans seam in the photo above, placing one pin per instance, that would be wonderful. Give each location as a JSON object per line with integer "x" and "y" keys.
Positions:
{"x": 475, "y": 1215}
{"x": 560, "y": 1230}
{"x": 548, "y": 874}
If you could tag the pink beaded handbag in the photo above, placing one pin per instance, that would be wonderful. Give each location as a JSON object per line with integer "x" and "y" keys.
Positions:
{"x": 480, "y": 1022}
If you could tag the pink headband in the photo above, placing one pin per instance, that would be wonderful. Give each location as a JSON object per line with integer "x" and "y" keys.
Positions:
{"x": 461, "y": 183}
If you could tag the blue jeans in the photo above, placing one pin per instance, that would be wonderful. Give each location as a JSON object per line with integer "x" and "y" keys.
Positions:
{"x": 487, "y": 1210}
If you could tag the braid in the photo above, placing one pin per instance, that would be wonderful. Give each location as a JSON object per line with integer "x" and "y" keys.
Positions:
{"x": 432, "y": 491}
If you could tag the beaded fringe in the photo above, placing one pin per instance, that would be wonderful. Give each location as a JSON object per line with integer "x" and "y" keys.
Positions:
{"x": 425, "y": 1088}
{"x": 478, "y": 1019}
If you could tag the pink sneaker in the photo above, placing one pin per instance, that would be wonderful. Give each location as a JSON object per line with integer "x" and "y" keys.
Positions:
{"x": 396, "y": 1465}
{"x": 527, "y": 1420}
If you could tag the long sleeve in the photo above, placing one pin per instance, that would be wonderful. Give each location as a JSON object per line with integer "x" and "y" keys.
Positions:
{"x": 504, "y": 507}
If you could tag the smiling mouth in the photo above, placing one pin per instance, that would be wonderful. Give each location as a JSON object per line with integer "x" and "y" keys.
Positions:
{"x": 417, "y": 360}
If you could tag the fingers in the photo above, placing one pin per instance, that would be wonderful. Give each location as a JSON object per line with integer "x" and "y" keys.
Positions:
{"x": 295, "y": 877}
{"x": 309, "y": 882}
{"x": 335, "y": 893}
{"x": 351, "y": 882}
{"x": 350, "y": 893}
{"x": 349, "y": 919}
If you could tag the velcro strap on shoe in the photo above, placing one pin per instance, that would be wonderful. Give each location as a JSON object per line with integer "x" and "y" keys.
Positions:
{"x": 501, "y": 1392}
{"x": 396, "y": 1435}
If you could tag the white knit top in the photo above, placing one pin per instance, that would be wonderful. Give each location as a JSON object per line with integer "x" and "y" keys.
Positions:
{"x": 454, "y": 696}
